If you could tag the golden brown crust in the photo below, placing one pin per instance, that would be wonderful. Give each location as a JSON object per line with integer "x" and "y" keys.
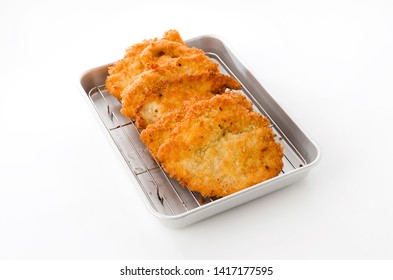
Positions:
{"x": 221, "y": 147}
{"x": 134, "y": 93}
{"x": 171, "y": 94}
{"x": 156, "y": 80}
{"x": 156, "y": 134}
{"x": 165, "y": 52}
{"x": 124, "y": 71}
{"x": 174, "y": 36}
{"x": 154, "y": 65}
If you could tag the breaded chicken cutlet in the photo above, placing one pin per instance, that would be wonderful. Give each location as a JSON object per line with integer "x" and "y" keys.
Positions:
{"x": 155, "y": 79}
{"x": 171, "y": 94}
{"x": 217, "y": 147}
{"x": 157, "y": 76}
{"x": 123, "y": 72}
{"x": 158, "y": 133}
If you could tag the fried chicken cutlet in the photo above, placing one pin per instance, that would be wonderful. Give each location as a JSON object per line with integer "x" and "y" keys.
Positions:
{"x": 125, "y": 70}
{"x": 190, "y": 77}
{"x": 172, "y": 94}
{"x": 158, "y": 133}
{"x": 221, "y": 147}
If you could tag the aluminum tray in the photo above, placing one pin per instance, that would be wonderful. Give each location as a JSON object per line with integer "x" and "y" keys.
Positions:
{"x": 173, "y": 204}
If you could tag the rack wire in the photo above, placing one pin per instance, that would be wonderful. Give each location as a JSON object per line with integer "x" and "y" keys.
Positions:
{"x": 164, "y": 193}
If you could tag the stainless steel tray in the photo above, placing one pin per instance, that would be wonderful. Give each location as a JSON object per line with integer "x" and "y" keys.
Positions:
{"x": 173, "y": 204}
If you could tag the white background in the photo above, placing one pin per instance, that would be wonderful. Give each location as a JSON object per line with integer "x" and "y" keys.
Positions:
{"x": 65, "y": 195}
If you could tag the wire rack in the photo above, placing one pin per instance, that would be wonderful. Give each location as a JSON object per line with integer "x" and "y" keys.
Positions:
{"x": 164, "y": 193}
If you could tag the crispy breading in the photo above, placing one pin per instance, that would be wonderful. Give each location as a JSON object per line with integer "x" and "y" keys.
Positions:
{"x": 155, "y": 79}
{"x": 134, "y": 93}
{"x": 125, "y": 70}
{"x": 221, "y": 147}
{"x": 191, "y": 65}
{"x": 172, "y": 94}
{"x": 158, "y": 133}
{"x": 174, "y": 36}
{"x": 164, "y": 52}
